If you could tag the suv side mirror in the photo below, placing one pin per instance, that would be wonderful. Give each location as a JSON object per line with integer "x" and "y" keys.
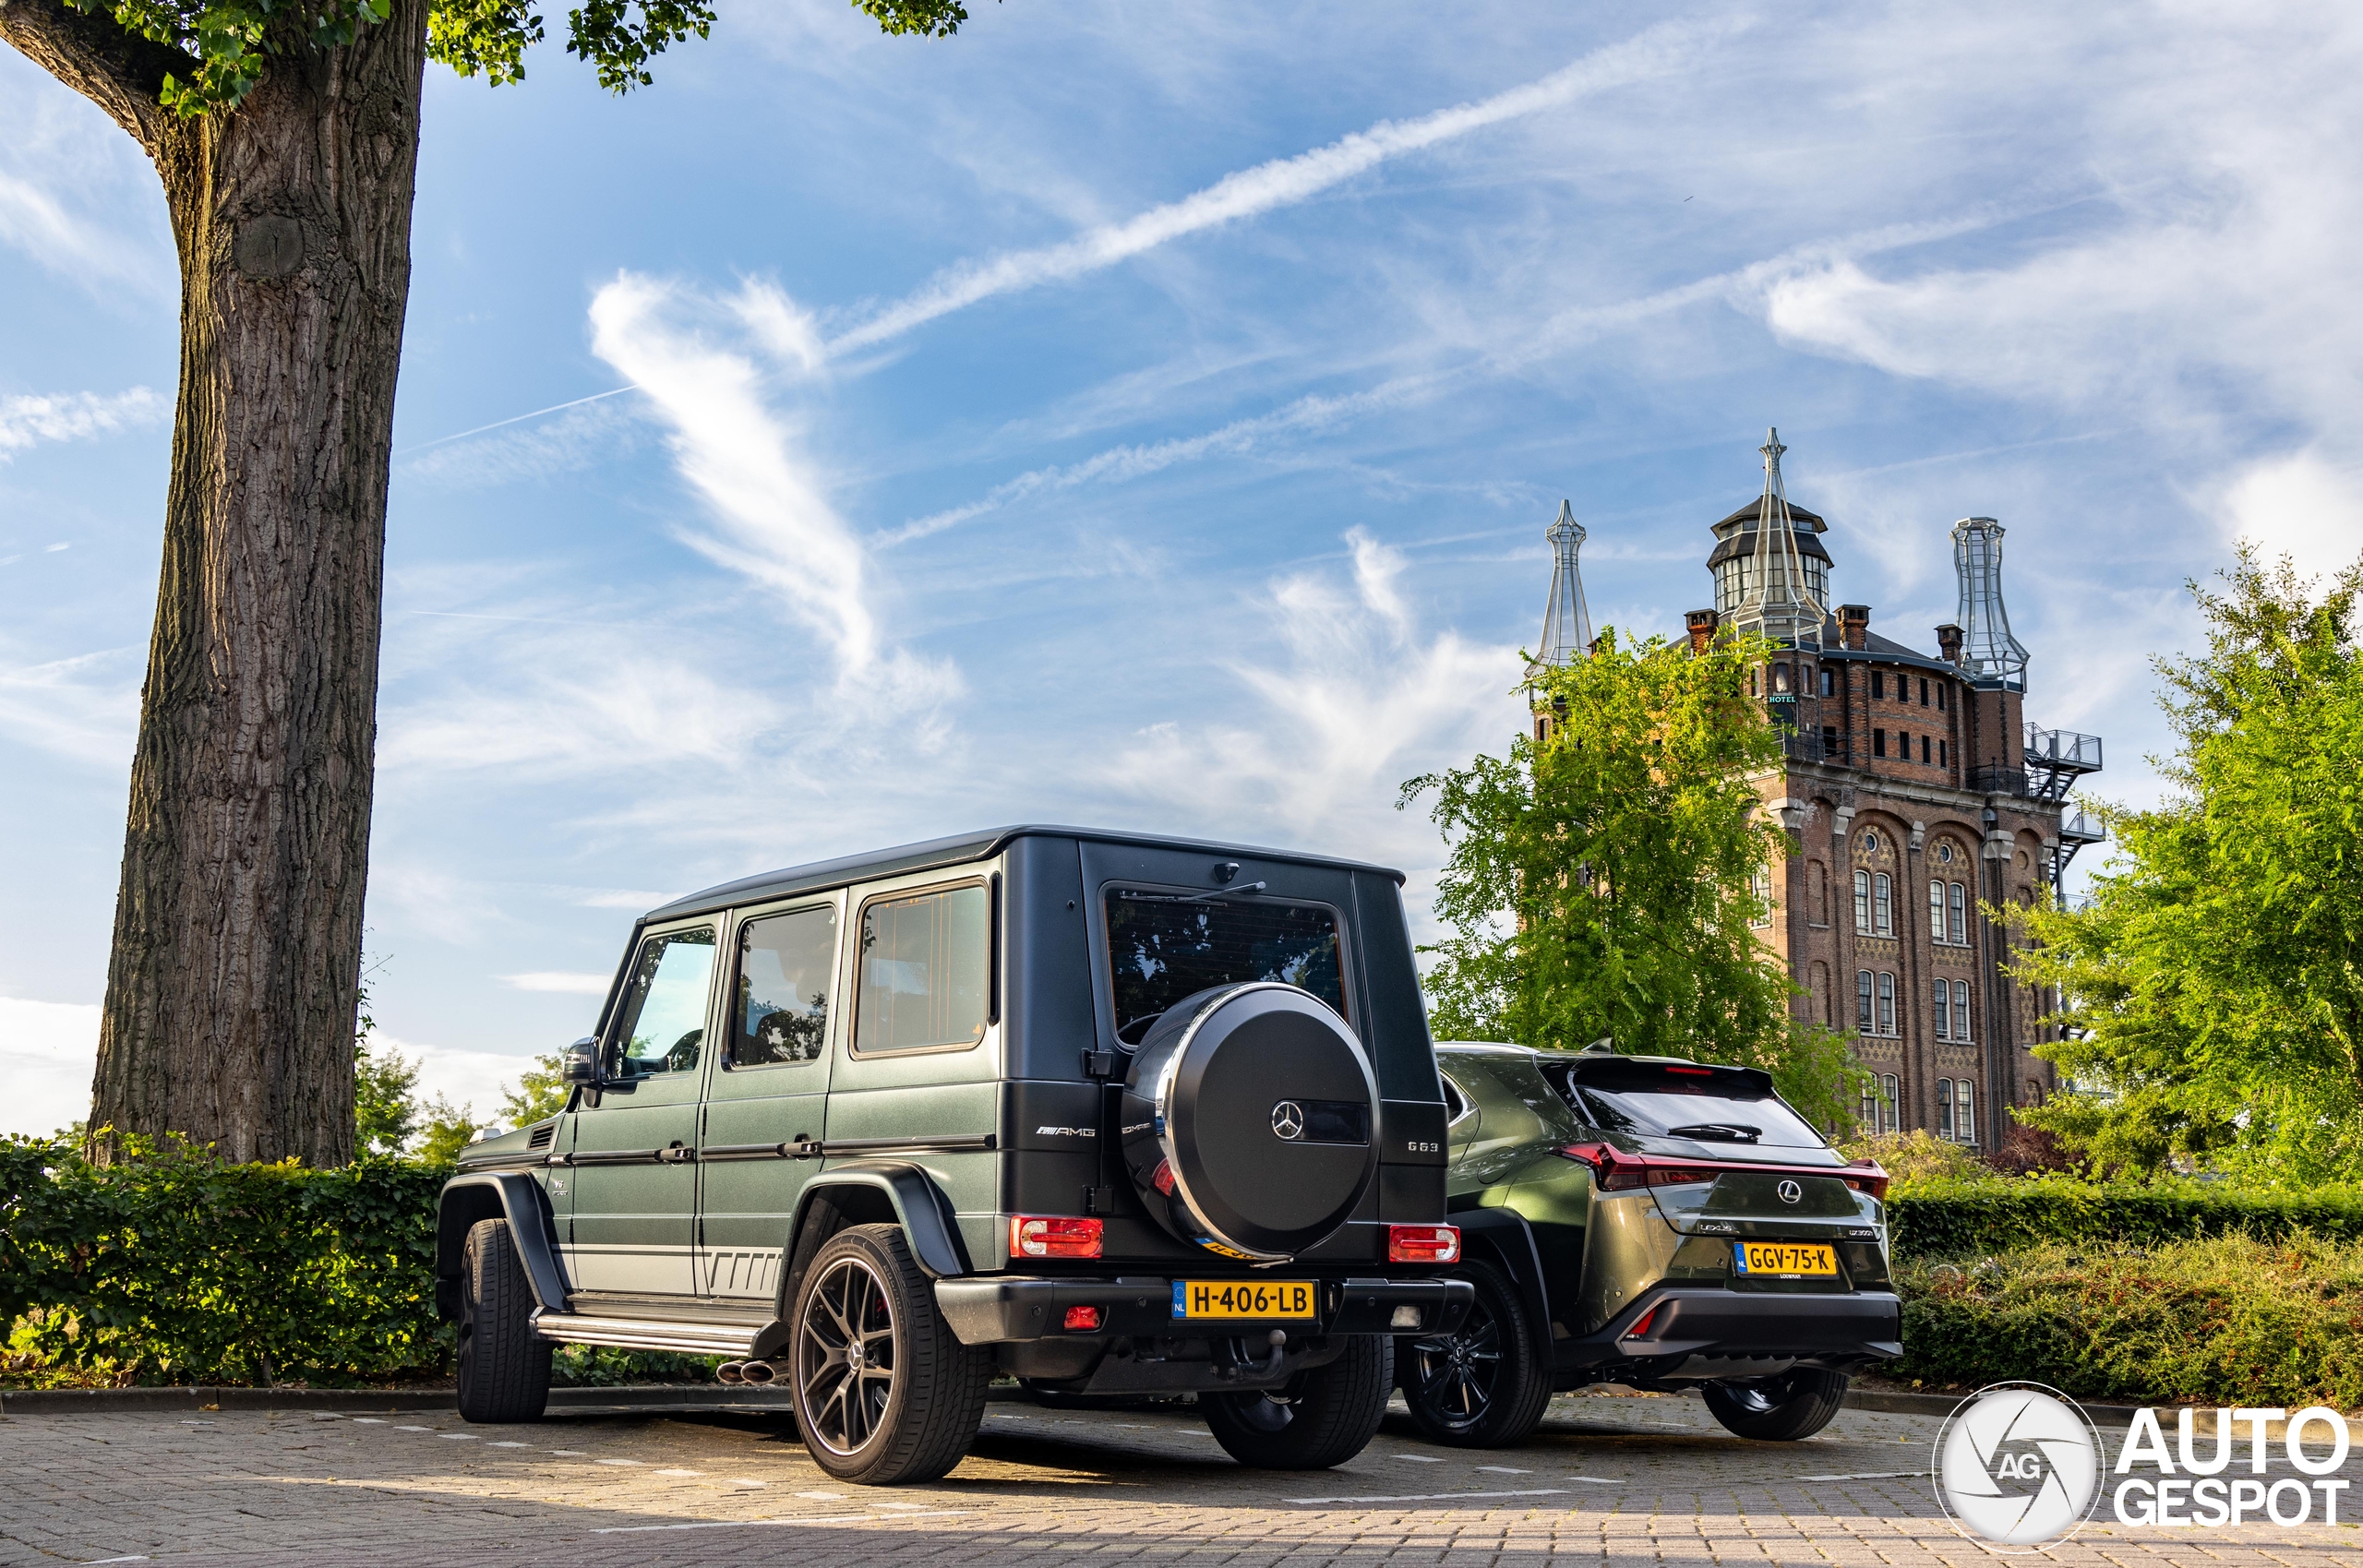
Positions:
{"x": 580, "y": 1064}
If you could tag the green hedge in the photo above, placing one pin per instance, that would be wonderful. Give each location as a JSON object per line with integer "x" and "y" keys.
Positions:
{"x": 2219, "y": 1320}
{"x": 1967, "y": 1220}
{"x": 175, "y": 1268}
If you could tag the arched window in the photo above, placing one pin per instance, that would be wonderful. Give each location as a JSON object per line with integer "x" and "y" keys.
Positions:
{"x": 1944, "y": 1011}
{"x": 1935, "y": 912}
{"x": 1956, "y": 916}
{"x": 1887, "y": 1003}
{"x": 1944, "y": 1107}
{"x": 1965, "y": 1112}
{"x": 1961, "y": 1010}
{"x": 1864, "y": 1020}
{"x": 1882, "y": 905}
{"x": 1894, "y": 1108}
{"x": 1863, "y": 902}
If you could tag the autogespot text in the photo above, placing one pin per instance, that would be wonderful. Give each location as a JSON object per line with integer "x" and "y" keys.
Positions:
{"x": 2189, "y": 1488}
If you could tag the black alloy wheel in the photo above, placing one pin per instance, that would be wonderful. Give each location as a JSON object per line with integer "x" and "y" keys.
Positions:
{"x": 1483, "y": 1385}
{"x": 884, "y": 1392}
{"x": 503, "y": 1366}
{"x": 1796, "y": 1404}
{"x": 844, "y": 1356}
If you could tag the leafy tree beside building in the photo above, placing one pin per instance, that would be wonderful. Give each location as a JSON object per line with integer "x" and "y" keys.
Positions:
{"x": 2215, "y": 980}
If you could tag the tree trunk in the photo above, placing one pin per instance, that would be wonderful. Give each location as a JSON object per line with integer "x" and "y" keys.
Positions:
{"x": 231, "y": 991}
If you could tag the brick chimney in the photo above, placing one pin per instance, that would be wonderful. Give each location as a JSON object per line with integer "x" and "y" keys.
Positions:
{"x": 1702, "y": 628}
{"x": 1855, "y": 624}
{"x": 1948, "y": 642}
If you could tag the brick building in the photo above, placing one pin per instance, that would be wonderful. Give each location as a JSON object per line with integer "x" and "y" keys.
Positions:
{"x": 1914, "y": 793}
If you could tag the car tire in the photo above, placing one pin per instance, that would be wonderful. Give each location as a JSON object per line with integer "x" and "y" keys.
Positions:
{"x": 504, "y": 1367}
{"x": 911, "y": 1419}
{"x": 1483, "y": 1386}
{"x": 1330, "y": 1414}
{"x": 1795, "y": 1404}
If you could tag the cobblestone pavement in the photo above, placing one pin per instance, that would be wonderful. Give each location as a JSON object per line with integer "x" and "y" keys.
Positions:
{"x": 1608, "y": 1480}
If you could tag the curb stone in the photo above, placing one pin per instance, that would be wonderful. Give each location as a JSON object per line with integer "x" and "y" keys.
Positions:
{"x": 115, "y": 1401}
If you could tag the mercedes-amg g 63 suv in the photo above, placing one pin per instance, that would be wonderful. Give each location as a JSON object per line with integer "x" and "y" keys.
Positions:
{"x": 1652, "y": 1222}
{"x": 1115, "y": 1115}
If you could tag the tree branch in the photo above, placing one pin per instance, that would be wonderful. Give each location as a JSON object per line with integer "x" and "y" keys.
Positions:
{"x": 119, "y": 71}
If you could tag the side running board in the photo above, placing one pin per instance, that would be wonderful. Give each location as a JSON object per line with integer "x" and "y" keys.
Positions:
{"x": 641, "y": 1334}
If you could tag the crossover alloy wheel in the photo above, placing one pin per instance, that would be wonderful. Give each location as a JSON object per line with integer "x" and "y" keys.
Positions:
{"x": 1481, "y": 1385}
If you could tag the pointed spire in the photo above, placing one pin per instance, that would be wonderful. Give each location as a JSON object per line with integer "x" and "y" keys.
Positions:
{"x": 1988, "y": 652}
{"x": 1566, "y": 624}
{"x": 1778, "y": 599}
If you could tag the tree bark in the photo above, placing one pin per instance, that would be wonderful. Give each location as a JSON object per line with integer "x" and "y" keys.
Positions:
{"x": 232, "y": 986}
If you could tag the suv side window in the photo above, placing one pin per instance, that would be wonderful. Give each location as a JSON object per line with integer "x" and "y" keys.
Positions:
{"x": 662, "y": 1026}
{"x": 786, "y": 970}
{"x": 924, "y": 960}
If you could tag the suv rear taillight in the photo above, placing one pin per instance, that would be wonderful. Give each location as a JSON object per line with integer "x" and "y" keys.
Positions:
{"x": 1423, "y": 1244}
{"x": 1032, "y": 1237}
{"x": 1867, "y": 1175}
{"x": 1611, "y": 1172}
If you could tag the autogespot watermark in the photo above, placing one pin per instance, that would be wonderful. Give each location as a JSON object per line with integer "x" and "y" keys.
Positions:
{"x": 2020, "y": 1467}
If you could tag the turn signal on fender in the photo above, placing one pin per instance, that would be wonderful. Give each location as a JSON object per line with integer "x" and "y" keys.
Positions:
{"x": 1060, "y": 1237}
{"x": 1423, "y": 1244}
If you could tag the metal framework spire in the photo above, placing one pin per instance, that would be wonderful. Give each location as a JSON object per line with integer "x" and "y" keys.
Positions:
{"x": 1777, "y": 600}
{"x": 1566, "y": 624}
{"x": 1991, "y": 655}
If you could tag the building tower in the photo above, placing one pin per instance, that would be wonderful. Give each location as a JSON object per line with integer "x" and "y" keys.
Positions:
{"x": 1567, "y": 620}
{"x": 1992, "y": 656}
{"x": 1777, "y": 598}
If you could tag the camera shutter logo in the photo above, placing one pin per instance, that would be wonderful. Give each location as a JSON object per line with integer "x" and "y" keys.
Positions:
{"x": 1790, "y": 1192}
{"x": 1287, "y": 1120}
{"x": 2018, "y": 1464}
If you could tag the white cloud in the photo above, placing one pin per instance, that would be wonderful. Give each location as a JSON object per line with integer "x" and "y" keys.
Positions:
{"x": 85, "y": 708}
{"x": 1283, "y": 181}
{"x": 48, "y": 1052}
{"x": 475, "y": 1081}
{"x": 27, "y": 421}
{"x": 564, "y": 981}
{"x": 2302, "y": 504}
{"x": 1356, "y": 698}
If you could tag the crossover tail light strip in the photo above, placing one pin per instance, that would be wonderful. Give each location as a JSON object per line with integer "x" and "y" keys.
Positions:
{"x": 1615, "y": 1171}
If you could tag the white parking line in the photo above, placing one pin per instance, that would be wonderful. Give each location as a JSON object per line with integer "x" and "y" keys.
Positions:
{"x": 1504, "y": 1470}
{"x": 631, "y": 1462}
{"x": 569, "y": 1454}
{"x": 824, "y": 1496}
{"x": 1418, "y": 1458}
{"x": 414, "y": 1429}
{"x": 1598, "y": 1481}
{"x": 459, "y": 1437}
{"x": 1874, "y": 1475}
{"x": 1437, "y": 1496}
{"x": 676, "y": 1472}
{"x": 367, "y": 1421}
{"x": 513, "y": 1444}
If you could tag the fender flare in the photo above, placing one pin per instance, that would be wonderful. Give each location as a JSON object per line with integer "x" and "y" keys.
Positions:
{"x": 1506, "y": 1235}
{"x": 525, "y": 1207}
{"x": 926, "y": 1214}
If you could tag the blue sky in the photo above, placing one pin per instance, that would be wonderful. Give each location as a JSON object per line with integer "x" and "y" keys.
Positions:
{"x": 1149, "y": 416}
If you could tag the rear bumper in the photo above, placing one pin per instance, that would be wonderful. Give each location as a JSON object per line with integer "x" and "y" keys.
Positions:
{"x": 1693, "y": 1335}
{"x": 1002, "y": 1310}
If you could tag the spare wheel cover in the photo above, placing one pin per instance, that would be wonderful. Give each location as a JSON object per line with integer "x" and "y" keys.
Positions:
{"x": 1261, "y": 1104}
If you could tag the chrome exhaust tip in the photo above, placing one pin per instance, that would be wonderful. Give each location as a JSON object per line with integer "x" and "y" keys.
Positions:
{"x": 760, "y": 1373}
{"x": 731, "y": 1371}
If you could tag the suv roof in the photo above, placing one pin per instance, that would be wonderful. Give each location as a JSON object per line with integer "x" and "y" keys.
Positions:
{"x": 957, "y": 850}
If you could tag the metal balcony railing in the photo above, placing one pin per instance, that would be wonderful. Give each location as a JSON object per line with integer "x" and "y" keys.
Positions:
{"x": 2077, "y": 828}
{"x": 2063, "y": 750}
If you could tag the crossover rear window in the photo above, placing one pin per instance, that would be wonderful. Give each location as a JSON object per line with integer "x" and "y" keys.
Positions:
{"x": 1162, "y": 947}
{"x": 1708, "y": 1105}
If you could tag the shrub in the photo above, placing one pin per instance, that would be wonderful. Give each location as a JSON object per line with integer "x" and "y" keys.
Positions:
{"x": 170, "y": 1266}
{"x": 1939, "y": 1217}
{"x": 2221, "y": 1320}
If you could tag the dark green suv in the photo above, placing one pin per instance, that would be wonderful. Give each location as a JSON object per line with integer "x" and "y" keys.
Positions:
{"x": 1654, "y": 1222}
{"x": 1115, "y": 1115}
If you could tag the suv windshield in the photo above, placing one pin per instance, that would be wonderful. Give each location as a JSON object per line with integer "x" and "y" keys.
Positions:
{"x": 1706, "y": 1105}
{"x": 1162, "y": 947}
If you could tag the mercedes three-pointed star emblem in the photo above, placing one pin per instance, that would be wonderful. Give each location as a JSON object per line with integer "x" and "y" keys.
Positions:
{"x": 1287, "y": 1120}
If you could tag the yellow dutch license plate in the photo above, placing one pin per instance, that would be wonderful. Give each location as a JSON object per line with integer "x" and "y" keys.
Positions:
{"x": 1789, "y": 1259}
{"x": 1242, "y": 1299}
